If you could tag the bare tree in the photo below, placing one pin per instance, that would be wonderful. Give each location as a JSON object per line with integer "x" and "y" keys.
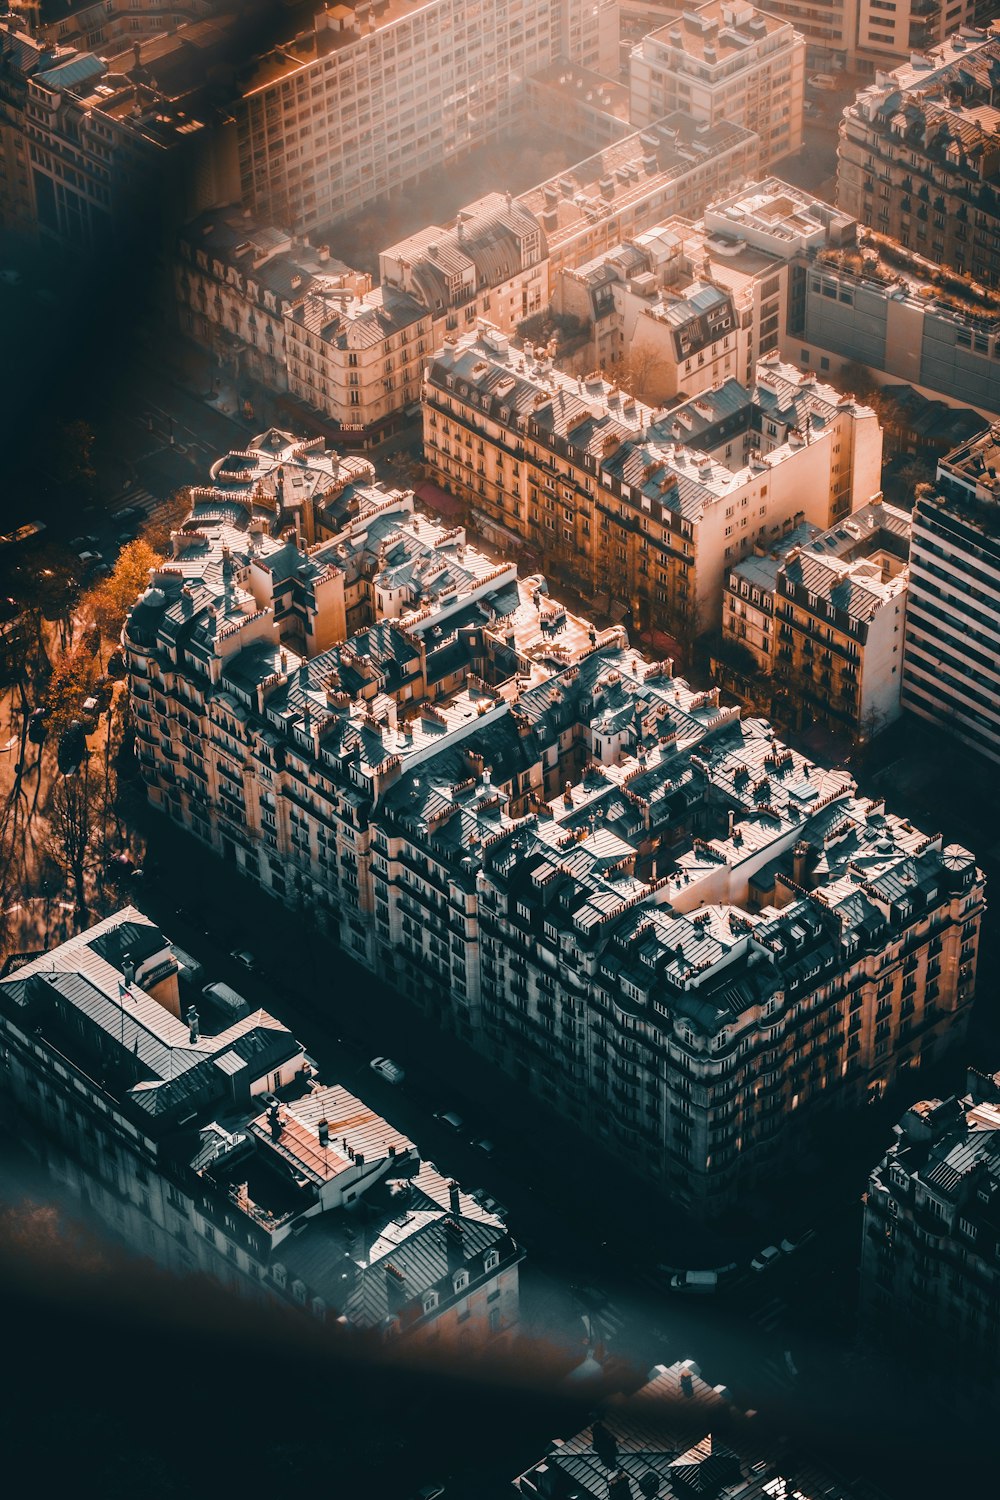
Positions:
{"x": 637, "y": 373}
{"x": 75, "y": 811}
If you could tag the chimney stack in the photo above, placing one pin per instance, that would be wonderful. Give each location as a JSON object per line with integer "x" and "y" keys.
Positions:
{"x": 324, "y": 1132}
{"x": 687, "y": 1383}
{"x": 128, "y": 968}
{"x": 274, "y": 1123}
{"x": 194, "y": 1028}
{"x": 453, "y": 1197}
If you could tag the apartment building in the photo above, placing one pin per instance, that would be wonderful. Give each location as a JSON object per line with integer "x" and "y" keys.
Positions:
{"x": 372, "y": 97}
{"x": 824, "y": 615}
{"x": 357, "y": 361}
{"x": 649, "y": 507}
{"x": 574, "y": 101}
{"x": 875, "y": 34}
{"x": 681, "y": 934}
{"x": 95, "y": 151}
{"x": 678, "y": 308}
{"x": 919, "y": 155}
{"x": 206, "y": 1141}
{"x": 930, "y": 1286}
{"x": 236, "y": 279}
{"x": 724, "y": 61}
{"x": 490, "y": 263}
{"x": 679, "y": 1436}
{"x": 675, "y": 166}
{"x": 950, "y": 666}
{"x": 112, "y": 24}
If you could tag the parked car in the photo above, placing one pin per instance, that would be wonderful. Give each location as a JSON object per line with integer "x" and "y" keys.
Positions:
{"x": 72, "y": 747}
{"x": 387, "y": 1069}
{"x": 130, "y": 515}
{"x": 37, "y": 728}
{"x": 452, "y": 1120}
{"x": 765, "y": 1258}
{"x": 9, "y": 610}
{"x": 695, "y": 1281}
{"x": 486, "y": 1146}
{"x": 124, "y": 537}
{"x": 90, "y": 559}
{"x": 82, "y": 543}
{"x": 822, "y": 81}
{"x": 795, "y": 1242}
{"x": 245, "y": 957}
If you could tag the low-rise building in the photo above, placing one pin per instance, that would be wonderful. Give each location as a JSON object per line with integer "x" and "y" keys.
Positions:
{"x": 824, "y": 615}
{"x": 209, "y": 1144}
{"x": 724, "y": 61}
{"x": 651, "y": 507}
{"x": 951, "y": 675}
{"x": 919, "y": 155}
{"x": 625, "y": 896}
{"x": 574, "y": 101}
{"x": 930, "y": 1252}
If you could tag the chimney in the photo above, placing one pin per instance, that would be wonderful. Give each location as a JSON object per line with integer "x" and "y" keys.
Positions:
{"x": 568, "y": 795}
{"x": 799, "y": 856}
{"x": 687, "y": 1383}
{"x": 194, "y": 1029}
{"x": 324, "y": 1132}
{"x": 619, "y": 1486}
{"x": 453, "y": 1197}
{"x": 274, "y": 1123}
{"x": 732, "y": 819}
{"x": 128, "y": 968}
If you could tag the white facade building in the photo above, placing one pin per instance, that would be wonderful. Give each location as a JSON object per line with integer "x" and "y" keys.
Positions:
{"x": 725, "y": 61}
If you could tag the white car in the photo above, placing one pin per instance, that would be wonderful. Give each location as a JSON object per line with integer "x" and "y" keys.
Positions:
{"x": 387, "y": 1069}
{"x": 90, "y": 559}
{"x": 765, "y": 1258}
{"x": 824, "y": 81}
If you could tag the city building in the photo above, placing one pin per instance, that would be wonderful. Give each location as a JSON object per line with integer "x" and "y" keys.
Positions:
{"x": 902, "y": 318}
{"x": 490, "y": 263}
{"x": 235, "y": 280}
{"x": 95, "y": 151}
{"x": 649, "y": 507}
{"x": 624, "y": 895}
{"x": 373, "y": 97}
{"x": 823, "y": 615}
{"x": 720, "y": 62}
{"x": 930, "y": 1251}
{"x": 919, "y": 154}
{"x": 107, "y": 24}
{"x": 951, "y": 674}
{"x": 678, "y": 1436}
{"x": 576, "y": 102}
{"x": 874, "y": 34}
{"x": 675, "y": 166}
{"x": 206, "y": 1141}
{"x": 356, "y": 361}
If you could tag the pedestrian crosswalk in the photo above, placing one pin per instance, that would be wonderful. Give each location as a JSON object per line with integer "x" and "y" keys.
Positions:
{"x": 769, "y": 1316}
{"x": 135, "y": 499}
{"x": 775, "y": 1372}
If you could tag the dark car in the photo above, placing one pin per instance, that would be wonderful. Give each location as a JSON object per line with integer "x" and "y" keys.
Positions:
{"x": 72, "y": 747}
{"x": 9, "y": 610}
{"x": 37, "y": 728}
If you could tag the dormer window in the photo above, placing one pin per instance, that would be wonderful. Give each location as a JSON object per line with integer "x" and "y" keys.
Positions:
{"x": 430, "y": 1301}
{"x": 491, "y": 1260}
{"x": 460, "y": 1281}
{"x": 278, "y": 1274}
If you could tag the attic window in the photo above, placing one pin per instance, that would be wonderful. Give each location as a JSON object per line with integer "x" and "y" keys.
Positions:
{"x": 491, "y": 1260}
{"x": 461, "y": 1281}
{"x": 430, "y": 1301}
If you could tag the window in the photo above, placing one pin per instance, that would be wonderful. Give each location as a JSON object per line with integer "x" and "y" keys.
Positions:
{"x": 430, "y": 1301}
{"x": 460, "y": 1281}
{"x": 496, "y": 1320}
{"x": 491, "y": 1260}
